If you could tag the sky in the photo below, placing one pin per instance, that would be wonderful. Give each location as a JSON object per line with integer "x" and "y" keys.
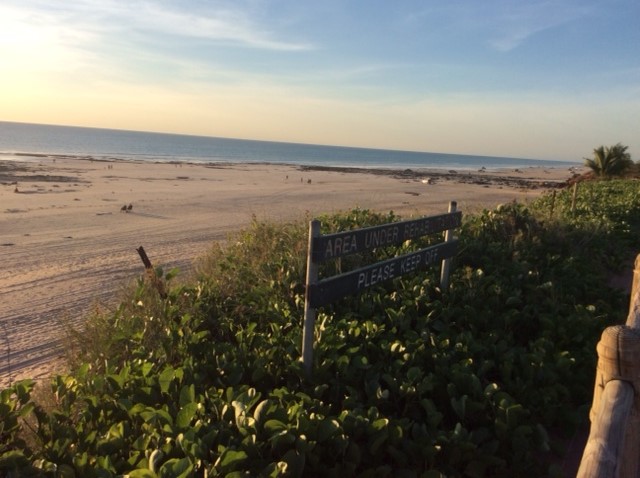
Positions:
{"x": 543, "y": 79}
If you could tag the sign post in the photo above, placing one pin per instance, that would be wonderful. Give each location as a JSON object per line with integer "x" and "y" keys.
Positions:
{"x": 308, "y": 328}
{"x": 446, "y": 263}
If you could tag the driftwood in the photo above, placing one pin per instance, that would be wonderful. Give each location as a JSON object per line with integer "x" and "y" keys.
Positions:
{"x": 614, "y": 440}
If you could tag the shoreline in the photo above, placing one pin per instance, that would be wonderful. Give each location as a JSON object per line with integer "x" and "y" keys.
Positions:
{"x": 68, "y": 247}
{"x": 508, "y": 176}
{"x": 395, "y": 168}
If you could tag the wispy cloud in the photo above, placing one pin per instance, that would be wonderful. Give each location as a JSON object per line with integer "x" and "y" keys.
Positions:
{"x": 215, "y": 22}
{"x": 232, "y": 26}
{"x": 517, "y": 21}
{"x": 91, "y": 43}
{"x": 363, "y": 70}
{"x": 503, "y": 25}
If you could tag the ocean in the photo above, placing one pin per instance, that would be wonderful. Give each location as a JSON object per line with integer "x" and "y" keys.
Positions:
{"x": 22, "y": 141}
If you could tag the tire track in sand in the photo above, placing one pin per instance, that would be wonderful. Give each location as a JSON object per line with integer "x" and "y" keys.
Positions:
{"x": 64, "y": 280}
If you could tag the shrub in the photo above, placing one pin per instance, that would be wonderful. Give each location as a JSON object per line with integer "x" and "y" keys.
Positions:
{"x": 409, "y": 380}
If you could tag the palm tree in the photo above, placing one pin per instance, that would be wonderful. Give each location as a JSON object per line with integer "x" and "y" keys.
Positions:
{"x": 609, "y": 161}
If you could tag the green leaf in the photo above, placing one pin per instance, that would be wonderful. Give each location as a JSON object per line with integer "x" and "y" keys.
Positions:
{"x": 165, "y": 378}
{"x": 261, "y": 410}
{"x": 378, "y": 440}
{"x": 326, "y": 429}
{"x": 26, "y": 409}
{"x": 295, "y": 463}
{"x": 23, "y": 389}
{"x": 116, "y": 381}
{"x": 414, "y": 374}
{"x": 433, "y": 474}
{"x": 157, "y": 416}
{"x": 146, "y": 368}
{"x": 176, "y": 468}
{"x": 476, "y": 469}
{"x": 274, "y": 426}
{"x": 231, "y": 458}
{"x": 13, "y": 460}
{"x": 65, "y": 471}
{"x": 187, "y": 394}
{"x": 514, "y": 414}
{"x": 185, "y": 415}
{"x": 142, "y": 473}
{"x": 459, "y": 406}
{"x": 172, "y": 273}
{"x": 380, "y": 423}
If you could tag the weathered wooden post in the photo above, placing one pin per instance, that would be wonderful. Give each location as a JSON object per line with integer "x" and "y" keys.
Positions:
{"x": 606, "y": 440}
{"x": 574, "y": 197}
{"x": 8, "y": 342}
{"x": 633, "y": 319}
{"x": 308, "y": 328}
{"x": 613, "y": 448}
{"x": 631, "y": 451}
{"x": 145, "y": 259}
{"x": 446, "y": 263}
{"x": 155, "y": 280}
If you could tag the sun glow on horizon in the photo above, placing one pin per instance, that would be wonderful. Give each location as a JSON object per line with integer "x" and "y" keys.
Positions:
{"x": 262, "y": 73}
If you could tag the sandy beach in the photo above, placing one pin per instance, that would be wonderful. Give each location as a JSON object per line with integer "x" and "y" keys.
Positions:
{"x": 66, "y": 245}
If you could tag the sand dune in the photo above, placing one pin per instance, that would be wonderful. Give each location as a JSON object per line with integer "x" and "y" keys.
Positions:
{"x": 65, "y": 244}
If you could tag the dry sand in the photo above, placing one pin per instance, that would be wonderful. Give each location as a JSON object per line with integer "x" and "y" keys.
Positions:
{"x": 65, "y": 244}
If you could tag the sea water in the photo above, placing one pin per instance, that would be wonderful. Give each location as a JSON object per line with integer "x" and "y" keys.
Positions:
{"x": 24, "y": 140}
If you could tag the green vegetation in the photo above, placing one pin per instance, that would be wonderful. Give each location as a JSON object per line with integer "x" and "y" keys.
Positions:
{"x": 409, "y": 380}
{"x": 610, "y": 161}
